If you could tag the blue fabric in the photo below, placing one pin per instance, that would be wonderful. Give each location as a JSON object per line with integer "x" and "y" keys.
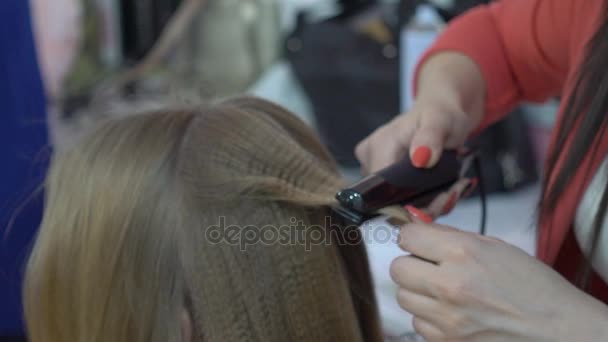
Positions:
{"x": 23, "y": 155}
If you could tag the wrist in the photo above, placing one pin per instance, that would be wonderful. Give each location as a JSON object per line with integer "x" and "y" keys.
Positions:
{"x": 454, "y": 81}
{"x": 443, "y": 98}
{"x": 447, "y": 106}
{"x": 587, "y": 323}
{"x": 598, "y": 330}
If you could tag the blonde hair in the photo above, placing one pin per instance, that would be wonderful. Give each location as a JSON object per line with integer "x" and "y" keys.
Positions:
{"x": 125, "y": 245}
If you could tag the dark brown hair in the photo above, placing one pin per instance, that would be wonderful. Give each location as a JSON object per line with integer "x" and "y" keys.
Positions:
{"x": 584, "y": 121}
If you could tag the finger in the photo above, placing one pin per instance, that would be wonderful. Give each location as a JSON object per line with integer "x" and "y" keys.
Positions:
{"x": 378, "y": 151}
{"x": 418, "y": 215}
{"x": 462, "y": 185}
{"x": 414, "y": 274}
{"x": 419, "y": 306}
{"x": 403, "y": 128}
{"x": 393, "y": 142}
{"x": 445, "y": 202}
{"x": 421, "y": 216}
{"x": 362, "y": 154}
{"x": 429, "y": 139}
{"x": 427, "y": 330}
{"x": 470, "y": 188}
{"x": 431, "y": 241}
{"x": 387, "y": 145}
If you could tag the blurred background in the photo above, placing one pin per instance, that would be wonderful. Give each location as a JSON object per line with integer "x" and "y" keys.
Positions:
{"x": 343, "y": 66}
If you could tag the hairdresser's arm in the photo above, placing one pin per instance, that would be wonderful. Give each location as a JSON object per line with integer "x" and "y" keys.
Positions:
{"x": 515, "y": 50}
{"x": 482, "y": 289}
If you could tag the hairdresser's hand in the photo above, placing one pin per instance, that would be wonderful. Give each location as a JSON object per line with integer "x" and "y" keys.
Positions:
{"x": 424, "y": 132}
{"x": 446, "y": 201}
{"x": 449, "y": 104}
{"x": 482, "y": 289}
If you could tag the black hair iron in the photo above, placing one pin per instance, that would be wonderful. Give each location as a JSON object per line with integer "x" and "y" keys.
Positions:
{"x": 402, "y": 183}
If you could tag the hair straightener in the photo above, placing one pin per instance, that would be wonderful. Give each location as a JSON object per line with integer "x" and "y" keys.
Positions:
{"x": 402, "y": 183}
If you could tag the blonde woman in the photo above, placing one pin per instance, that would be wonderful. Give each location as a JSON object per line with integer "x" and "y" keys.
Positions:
{"x": 134, "y": 244}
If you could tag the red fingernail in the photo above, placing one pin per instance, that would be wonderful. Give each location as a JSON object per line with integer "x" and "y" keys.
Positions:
{"x": 450, "y": 204}
{"x": 471, "y": 187}
{"x": 421, "y": 156}
{"x": 419, "y": 214}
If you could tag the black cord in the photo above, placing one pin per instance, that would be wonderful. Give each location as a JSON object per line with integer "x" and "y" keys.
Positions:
{"x": 482, "y": 195}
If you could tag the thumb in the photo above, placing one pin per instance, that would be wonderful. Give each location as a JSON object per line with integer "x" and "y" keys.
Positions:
{"x": 428, "y": 140}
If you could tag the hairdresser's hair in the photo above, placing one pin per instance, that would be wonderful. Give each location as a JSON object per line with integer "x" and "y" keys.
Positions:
{"x": 125, "y": 242}
{"x": 587, "y": 110}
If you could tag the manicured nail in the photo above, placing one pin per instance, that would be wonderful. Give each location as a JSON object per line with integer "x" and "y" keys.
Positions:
{"x": 419, "y": 214}
{"x": 450, "y": 204}
{"x": 471, "y": 187}
{"x": 421, "y": 156}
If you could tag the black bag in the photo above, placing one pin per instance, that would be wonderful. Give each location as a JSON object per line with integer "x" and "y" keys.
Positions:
{"x": 507, "y": 155}
{"x": 352, "y": 83}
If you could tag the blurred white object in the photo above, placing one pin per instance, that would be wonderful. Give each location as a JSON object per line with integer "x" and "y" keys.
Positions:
{"x": 57, "y": 30}
{"x": 445, "y": 4}
{"x": 427, "y": 16}
{"x": 543, "y": 115}
{"x": 416, "y": 37}
{"x": 228, "y": 47}
{"x": 111, "y": 39}
{"x": 279, "y": 85}
{"x": 315, "y": 9}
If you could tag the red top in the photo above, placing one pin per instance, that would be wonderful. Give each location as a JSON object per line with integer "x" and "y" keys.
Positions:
{"x": 530, "y": 50}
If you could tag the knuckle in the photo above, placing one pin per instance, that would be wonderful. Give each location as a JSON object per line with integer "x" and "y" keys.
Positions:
{"x": 419, "y": 327}
{"x": 404, "y": 241}
{"x": 455, "y": 292}
{"x": 454, "y": 325}
{"x": 396, "y": 268}
{"x": 466, "y": 250}
{"x": 408, "y": 235}
{"x": 403, "y": 299}
{"x": 423, "y": 329}
{"x": 435, "y": 128}
{"x": 431, "y": 110}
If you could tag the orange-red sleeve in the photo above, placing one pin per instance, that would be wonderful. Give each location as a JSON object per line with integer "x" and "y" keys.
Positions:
{"x": 521, "y": 46}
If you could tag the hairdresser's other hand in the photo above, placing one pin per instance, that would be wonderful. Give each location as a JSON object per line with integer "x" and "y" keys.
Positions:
{"x": 446, "y": 201}
{"x": 477, "y": 288}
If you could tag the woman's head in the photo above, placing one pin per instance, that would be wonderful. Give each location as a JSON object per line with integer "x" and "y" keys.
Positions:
{"x": 217, "y": 211}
